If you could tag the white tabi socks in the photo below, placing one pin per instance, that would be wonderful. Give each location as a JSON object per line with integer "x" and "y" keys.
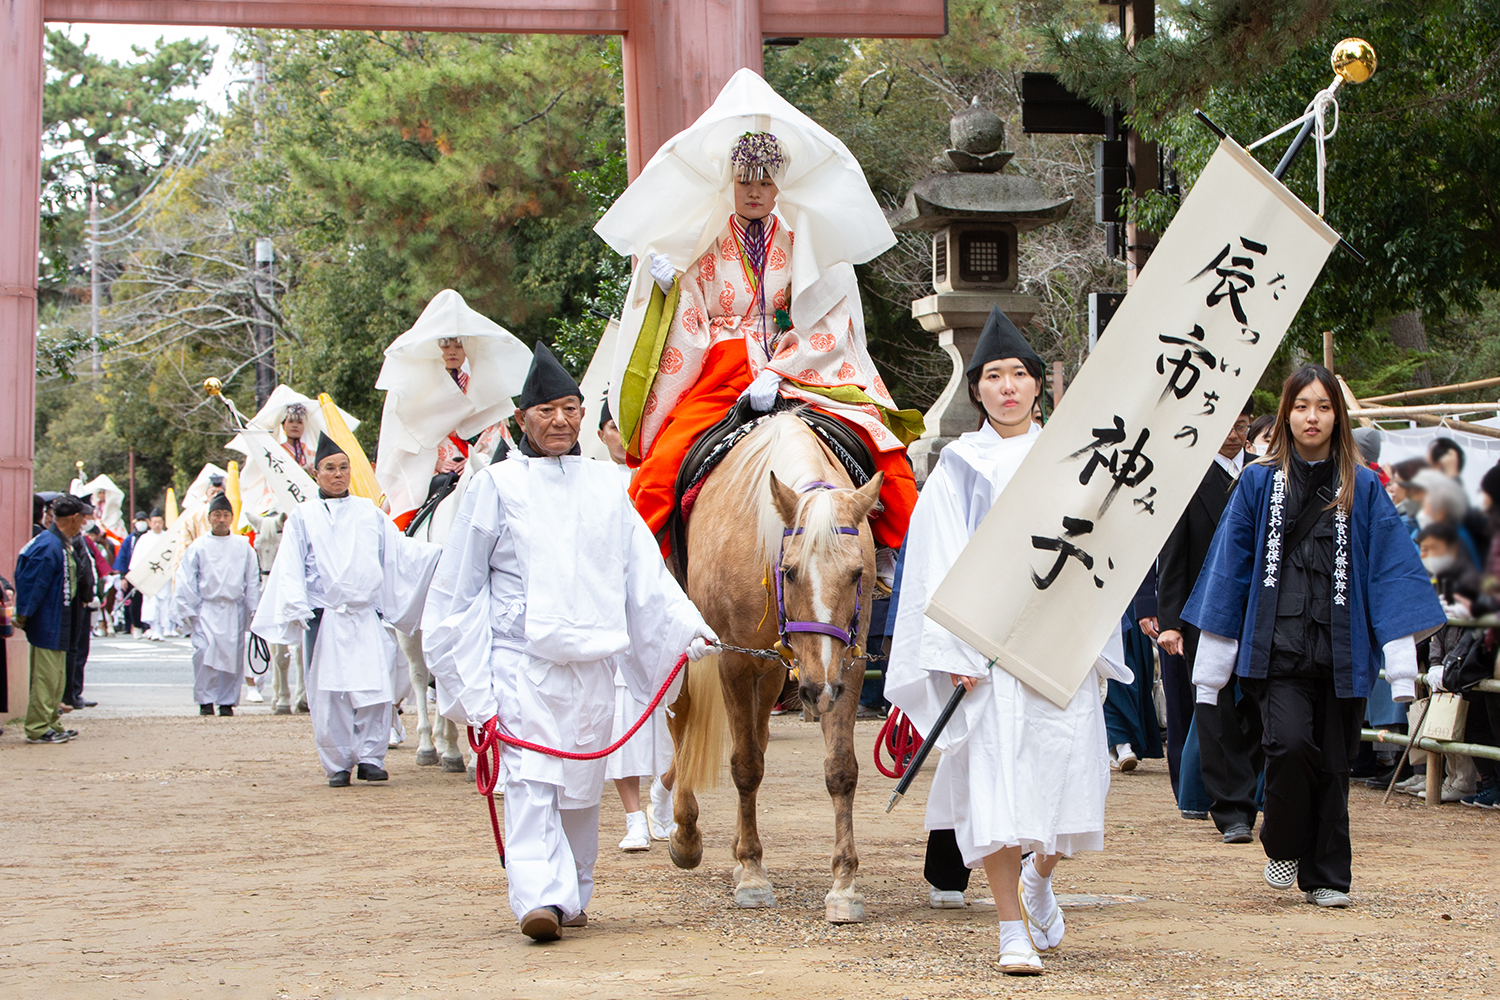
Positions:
{"x": 637, "y": 836}
{"x": 1040, "y": 905}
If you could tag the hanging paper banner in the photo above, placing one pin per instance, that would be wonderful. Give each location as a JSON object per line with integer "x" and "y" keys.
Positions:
{"x": 154, "y": 558}
{"x": 288, "y": 482}
{"x": 1043, "y": 582}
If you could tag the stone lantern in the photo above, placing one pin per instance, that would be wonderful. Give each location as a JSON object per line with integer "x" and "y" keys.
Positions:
{"x": 975, "y": 212}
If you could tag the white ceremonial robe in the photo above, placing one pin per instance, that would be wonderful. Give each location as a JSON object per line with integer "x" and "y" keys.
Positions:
{"x": 215, "y": 591}
{"x": 649, "y": 752}
{"x": 549, "y": 584}
{"x": 1016, "y": 770}
{"x": 346, "y": 560}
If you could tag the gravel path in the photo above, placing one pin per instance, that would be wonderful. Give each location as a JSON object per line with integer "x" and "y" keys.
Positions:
{"x": 185, "y": 857}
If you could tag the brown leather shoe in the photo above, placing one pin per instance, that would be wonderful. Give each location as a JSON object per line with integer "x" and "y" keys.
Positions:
{"x": 541, "y": 924}
{"x": 582, "y": 920}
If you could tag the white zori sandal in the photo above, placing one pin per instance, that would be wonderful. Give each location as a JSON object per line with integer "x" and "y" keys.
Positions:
{"x": 1017, "y": 956}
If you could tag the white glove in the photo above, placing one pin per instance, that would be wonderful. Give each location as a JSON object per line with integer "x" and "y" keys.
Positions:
{"x": 699, "y": 647}
{"x": 1454, "y": 610}
{"x": 1214, "y": 666}
{"x": 1435, "y": 678}
{"x": 663, "y": 272}
{"x": 762, "y": 392}
{"x": 1401, "y": 667}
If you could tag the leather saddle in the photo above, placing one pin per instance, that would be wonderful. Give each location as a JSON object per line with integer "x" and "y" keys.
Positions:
{"x": 714, "y": 444}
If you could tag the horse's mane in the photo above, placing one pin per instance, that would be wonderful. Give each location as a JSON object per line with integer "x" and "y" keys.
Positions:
{"x": 784, "y": 445}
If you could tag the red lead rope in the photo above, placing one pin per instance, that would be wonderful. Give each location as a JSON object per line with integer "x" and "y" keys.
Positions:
{"x": 487, "y": 768}
{"x": 900, "y": 739}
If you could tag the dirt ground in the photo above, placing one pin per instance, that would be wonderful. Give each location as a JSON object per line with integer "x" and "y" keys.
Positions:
{"x": 184, "y": 858}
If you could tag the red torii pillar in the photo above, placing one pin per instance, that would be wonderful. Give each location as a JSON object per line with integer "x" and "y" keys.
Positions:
{"x": 677, "y": 56}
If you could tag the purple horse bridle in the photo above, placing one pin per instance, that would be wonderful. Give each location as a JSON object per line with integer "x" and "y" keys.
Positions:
{"x": 784, "y": 627}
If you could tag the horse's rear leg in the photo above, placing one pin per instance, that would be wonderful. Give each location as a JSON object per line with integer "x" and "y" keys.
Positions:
{"x": 749, "y": 703}
{"x": 411, "y": 646}
{"x": 843, "y": 904}
{"x": 456, "y": 751}
{"x": 685, "y": 846}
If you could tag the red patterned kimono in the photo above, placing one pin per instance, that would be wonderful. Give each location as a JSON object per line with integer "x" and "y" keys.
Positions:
{"x": 723, "y": 334}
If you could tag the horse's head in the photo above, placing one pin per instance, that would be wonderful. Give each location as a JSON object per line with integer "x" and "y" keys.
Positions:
{"x": 827, "y": 577}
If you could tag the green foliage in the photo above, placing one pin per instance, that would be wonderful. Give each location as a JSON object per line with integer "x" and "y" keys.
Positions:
{"x": 1201, "y": 44}
{"x": 113, "y": 123}
{"x": 1411, "y": 173}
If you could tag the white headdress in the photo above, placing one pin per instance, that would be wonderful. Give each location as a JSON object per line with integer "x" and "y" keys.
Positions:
{"x": 423, "y": 404}
{"x": 684, "y": 196}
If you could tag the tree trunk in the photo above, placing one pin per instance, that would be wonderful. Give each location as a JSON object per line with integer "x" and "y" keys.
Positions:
{"x": 1408, "y": 333}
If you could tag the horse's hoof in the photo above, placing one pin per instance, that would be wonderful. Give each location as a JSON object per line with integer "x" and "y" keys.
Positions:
{"x": 472, "y": 776}
{"x": 751, "y": 897}
{"x": 684, "y": 860}
{"x": 427, "y": 758}
{"x": 845, "y": 911}
{"x": 453, "y": 765}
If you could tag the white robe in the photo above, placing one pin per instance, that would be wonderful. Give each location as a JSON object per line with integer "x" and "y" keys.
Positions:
{"x": 216, "y": 590}
{"x": 1016, "y": 769}
{"x": 549, "y": 584}
{"x": 347, "y": 558}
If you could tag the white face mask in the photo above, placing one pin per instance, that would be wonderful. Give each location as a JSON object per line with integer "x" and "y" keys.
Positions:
{"x": 1423, "y": 518}
{"x": 1437, "y": 565}
{"x": 140, "y": 526}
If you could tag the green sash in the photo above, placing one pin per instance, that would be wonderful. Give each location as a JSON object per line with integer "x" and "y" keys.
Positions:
{"x": 645, "y": 357}
{"x": 907, "y": 425}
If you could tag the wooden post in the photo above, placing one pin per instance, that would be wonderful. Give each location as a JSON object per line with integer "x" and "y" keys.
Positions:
{"x": 1058, "y": 388}
{"x": 130, "y": 515}
{"x": 1328, "y": 349}
{"x": 21, "y": 23}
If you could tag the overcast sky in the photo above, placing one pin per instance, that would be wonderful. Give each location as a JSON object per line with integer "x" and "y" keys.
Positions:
{"x": 113, "y": 41}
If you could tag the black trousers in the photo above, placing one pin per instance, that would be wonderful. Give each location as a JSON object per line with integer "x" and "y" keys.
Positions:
{"x": 1229, "y": 746}
{"x": 1484, "y": 728}
{"x": 1177, "y": 684}
{"x": 78, "y": 651}
{"x": 133, "y": 608}
{"x": 1310, "y": 737}
{"x": 944, "y": 868}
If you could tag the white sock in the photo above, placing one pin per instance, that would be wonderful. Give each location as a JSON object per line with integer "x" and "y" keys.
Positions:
{"x": 1013, "y": 936}
{"x": 1041, "y": 903}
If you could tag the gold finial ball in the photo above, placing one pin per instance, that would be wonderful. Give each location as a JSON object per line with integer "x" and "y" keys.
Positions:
{"x": 213, "y": 386}
{"x": 78, "y": 465}
{"x": 1354, "y": 60}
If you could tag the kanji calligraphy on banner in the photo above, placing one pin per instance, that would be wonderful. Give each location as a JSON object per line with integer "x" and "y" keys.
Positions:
{"x": 1044, "y": 580}
{"x": 288, "y": 481}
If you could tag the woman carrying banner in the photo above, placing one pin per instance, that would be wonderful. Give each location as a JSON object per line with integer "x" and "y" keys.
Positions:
{"x": 1311, "y": 587}
{"x": 1018, "y": 773}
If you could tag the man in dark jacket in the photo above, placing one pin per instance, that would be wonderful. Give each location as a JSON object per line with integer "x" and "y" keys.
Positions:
{"x": 1229, "y": 732}
{"x": 47, "y": 590}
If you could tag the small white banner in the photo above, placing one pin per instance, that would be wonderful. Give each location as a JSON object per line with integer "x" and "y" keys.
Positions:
{"x": 154, "y": 558}
{"x": 1044, "y": 580}
{"x": 287, "y": 480}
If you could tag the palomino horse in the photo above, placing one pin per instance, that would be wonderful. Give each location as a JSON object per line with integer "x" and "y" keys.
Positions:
{"x": 780, "y": 506}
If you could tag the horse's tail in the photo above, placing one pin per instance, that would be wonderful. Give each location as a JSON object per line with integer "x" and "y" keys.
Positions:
{"x": 704, "y": 734}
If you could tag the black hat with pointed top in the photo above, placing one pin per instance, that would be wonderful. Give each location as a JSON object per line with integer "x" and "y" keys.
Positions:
{"x": 999, "y": 340}
{"x": 220, "y": 502}
{"x": 326, "y": 446}
{"x": 547, "y": 380}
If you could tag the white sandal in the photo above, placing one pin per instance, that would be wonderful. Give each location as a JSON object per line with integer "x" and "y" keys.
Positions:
{"x": 1020, "y": 962}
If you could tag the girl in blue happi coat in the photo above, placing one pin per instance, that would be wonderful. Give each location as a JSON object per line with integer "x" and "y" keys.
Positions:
{"x": 1312, "y": 586}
